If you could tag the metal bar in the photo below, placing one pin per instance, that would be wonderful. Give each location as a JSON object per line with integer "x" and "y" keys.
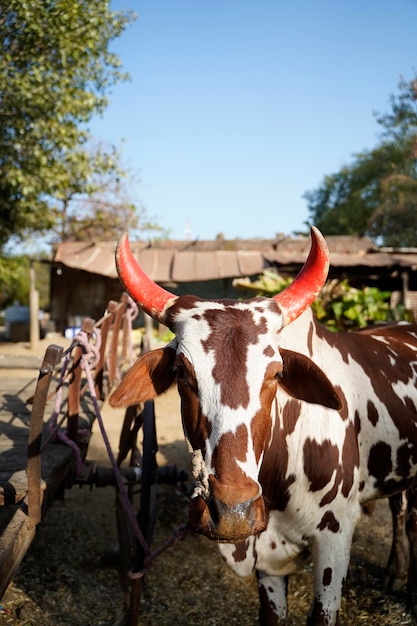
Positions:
{"x": 145, "y": 514}
{"x": 52, "y": 357}
{"x": 128, "y": 434}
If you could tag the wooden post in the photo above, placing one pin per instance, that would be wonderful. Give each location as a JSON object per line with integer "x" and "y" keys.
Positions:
{"x": 33, "y": 310}
{"x": 52, "y": 357}
{"x": 117, "y": 323}
{"x": 105, "y": 327}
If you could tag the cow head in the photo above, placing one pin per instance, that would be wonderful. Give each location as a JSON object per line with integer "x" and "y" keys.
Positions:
{"x": 227, "y": 363}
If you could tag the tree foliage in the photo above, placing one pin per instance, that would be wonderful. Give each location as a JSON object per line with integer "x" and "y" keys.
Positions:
{"x": 15, "y": 281}
{"x": 376, "y": 195}
{"x": 56, "y": 69}
{"x": 106, "y": 208}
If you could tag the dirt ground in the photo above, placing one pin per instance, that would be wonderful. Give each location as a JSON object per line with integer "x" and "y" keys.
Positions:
{"x": 69, "y": 578}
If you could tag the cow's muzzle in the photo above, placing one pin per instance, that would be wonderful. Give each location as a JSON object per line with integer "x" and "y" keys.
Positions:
{"x": 229, "y": 523}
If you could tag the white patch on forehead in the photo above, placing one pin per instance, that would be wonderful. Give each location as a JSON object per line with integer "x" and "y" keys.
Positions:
{"x": 192, "y": 331}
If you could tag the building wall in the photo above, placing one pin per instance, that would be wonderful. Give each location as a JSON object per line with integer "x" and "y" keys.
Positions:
{"x": 77, "y": 294}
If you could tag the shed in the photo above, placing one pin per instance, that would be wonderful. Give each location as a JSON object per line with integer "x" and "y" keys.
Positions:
{"x": 84, "y": 277}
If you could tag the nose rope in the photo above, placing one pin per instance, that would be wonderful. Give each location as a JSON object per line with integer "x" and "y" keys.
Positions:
{"x": 199, "y": 472}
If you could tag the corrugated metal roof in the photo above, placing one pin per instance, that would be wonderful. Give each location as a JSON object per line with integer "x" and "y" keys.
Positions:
{"x": 163, "y": 264}
{"x": 90, "y": 257}
{"x": 249, "y": 262}
{"x": 156, "y": 262}
{"x": 183, "y": 262}
{"x": 375, "y": 259}
{"x": 198, "y": 266}
{"x": 337, "y": 259}
{"x": 406, "y": 260}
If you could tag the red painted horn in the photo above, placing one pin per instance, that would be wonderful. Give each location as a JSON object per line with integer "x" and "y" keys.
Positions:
{"x": 151, "y": 297}
{"x": 306, "y": 286}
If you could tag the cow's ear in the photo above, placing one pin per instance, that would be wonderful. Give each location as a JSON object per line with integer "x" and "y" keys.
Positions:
{"x": 150, "y": 376}
{"x": 303, "y": 379}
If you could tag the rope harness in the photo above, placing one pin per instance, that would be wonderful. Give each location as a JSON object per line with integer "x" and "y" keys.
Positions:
{"x": 89, "y": 358}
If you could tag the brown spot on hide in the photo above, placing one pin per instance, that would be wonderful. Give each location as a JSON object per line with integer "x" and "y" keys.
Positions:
{"x": 357, "y": 421}
{"x": 320, "y": 462}
{"x": 384, "y": 363}
{"x": 230, "y": 484}
{"x": 240, "y": 552}
{"x": 345, "y": 469}
{"x": 350, "y": 458}
{"x": 329, "y": 522}
{"x": 406, "y": 457}
{"x": 269, "y": 351}
{"x": 275, "y": 483}
{"x": 260, "y": 430}
{"x": 372, "y": 413}
{"x": 196, "y": 425}
{"x": 182, "y": 303}
{"x": 327, "y": 576}
{"x": 267, "y": 608}
{"x": 290, "y": 414}
{"x": 318, "y": 616}
{"x": 261, "y": 422}
{"x": 379, "y": 461}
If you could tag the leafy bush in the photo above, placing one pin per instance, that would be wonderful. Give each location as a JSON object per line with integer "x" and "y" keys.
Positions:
{"x": 339, "y": 306}
{"x": 342, "y": 307}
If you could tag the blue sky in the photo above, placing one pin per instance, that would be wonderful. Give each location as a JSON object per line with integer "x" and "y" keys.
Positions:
{"x": 236, "y": 108}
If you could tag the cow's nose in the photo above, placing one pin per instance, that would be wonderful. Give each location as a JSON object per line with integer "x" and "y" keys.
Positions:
{"x": 224, "y": 522}
{"x": 241, "y": 520}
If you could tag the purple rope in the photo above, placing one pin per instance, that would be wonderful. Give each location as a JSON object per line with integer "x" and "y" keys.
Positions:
{"x": 127, "y": 505}
{"x": 57, "y": 409}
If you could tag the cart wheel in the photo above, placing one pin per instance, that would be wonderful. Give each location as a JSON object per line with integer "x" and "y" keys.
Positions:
{"x": 143, "y": 496}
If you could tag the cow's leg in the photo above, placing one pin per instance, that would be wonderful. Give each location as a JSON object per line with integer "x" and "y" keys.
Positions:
{"x": 396, "y": 569}
{"x": 330, "y": 549}
{"x": 272, "y": 599}
{"x": 411, "y": 527}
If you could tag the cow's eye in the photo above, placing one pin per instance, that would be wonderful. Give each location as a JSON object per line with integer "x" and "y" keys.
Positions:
{"x": 182, "y": 374}
{"x": 278, "y": 372}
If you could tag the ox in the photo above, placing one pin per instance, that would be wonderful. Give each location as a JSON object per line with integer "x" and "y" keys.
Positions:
{"x": 283, "y": 453}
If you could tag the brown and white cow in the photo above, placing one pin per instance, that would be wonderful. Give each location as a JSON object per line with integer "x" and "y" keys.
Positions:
{"x": 284, "y": 454}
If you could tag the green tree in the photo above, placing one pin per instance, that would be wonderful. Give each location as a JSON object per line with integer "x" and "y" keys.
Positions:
{"x": 105, "y": 207}
{"x": 56, "y": 69}
{"x": 376, "y": 194}
{"x": 14, "y": 281}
